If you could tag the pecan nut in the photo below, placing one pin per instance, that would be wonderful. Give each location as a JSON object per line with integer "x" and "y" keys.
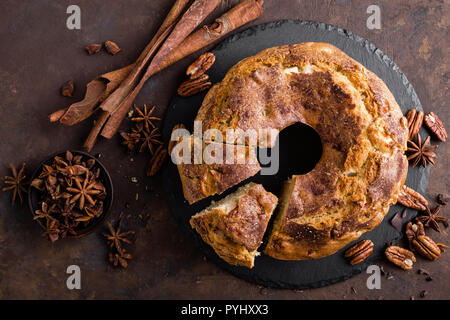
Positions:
{"x": 415, "y": 121}
{"x": 435, "y": 125}
{"x": 359, "y": 252}
{"x": 412, "y": 199}
{"x": 421, "y": 243}
{"x": 112, "y": 47}
{"x": 194, "y": 86}
{"x": 401, "y": 257}
{"x": 157, "y": 161}
{"x": 172, "y": 143}
{"x": 201, "y": 65}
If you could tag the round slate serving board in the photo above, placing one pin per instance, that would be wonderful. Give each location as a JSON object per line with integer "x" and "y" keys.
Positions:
{"x": 268, "y": 271}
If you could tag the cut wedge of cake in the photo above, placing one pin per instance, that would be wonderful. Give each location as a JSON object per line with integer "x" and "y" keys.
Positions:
{"x": 234, "y": 226}
{"x": 204, "y": 178}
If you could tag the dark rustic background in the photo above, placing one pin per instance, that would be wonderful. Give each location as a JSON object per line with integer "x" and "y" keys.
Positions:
{"x": 38, "y": 53}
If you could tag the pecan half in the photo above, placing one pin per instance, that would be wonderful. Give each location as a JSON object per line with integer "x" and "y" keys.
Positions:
{"x": 410, "y": 115}
{"x": 435, "y": 125}
{"x": 194, "y": 86}
{"x": 67, "y": 88}
{"x": 172, "y": 143}
{"x": 401, "y": 257}
{"x": 157, "y": 161}
{"x": 359, "y": 252}
{"x": 112, "y": 47}
{"x": 201, "y": 65}
{"x": 415, "y": 121}
{"x": 412, "y": 199}
{"x": 426, "y": 247}
{"x": 93, "y": 48}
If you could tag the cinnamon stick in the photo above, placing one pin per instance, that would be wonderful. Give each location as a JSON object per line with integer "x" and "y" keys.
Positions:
{"x": 128, "y": 76}
{"x": 81, "y": 110}
{"x": 196, "y": 13}
{"x": 131, "y": 80}
{"x": 93, "y": 134}
{"x": 242, "y": 13}
{"x": 104, "y": 115}
{"x": 239, "y": 15}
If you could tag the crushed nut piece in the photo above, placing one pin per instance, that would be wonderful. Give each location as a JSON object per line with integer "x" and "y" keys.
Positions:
{"x": 93, "y": 48}
{"x": 67, "y": 88}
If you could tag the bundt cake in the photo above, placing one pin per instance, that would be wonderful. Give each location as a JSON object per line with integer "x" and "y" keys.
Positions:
{"x": 234, "y": 226}
{"x": 362, "y": 130}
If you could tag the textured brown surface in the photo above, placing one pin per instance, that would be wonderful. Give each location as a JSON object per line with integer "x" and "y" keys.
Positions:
{"x": 235, "y": 225}
{"x": 39, "y": 54}
{"x": 363, "y": 134}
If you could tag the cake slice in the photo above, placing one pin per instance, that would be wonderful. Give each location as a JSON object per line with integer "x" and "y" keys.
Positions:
{"x": 234, "y": 226}
{"x": 201, "y": 180}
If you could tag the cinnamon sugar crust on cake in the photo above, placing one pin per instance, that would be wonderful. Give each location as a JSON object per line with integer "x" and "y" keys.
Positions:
{"x": 363, "y": 134}
{"x": 201, "y": 180}
{"x": 234, "y": 226}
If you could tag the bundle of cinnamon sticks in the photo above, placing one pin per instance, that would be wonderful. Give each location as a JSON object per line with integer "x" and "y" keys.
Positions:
{"x": 113, "y": 93}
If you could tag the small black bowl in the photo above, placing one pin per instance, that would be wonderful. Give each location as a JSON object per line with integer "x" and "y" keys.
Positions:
{"x": 33, "y": 194}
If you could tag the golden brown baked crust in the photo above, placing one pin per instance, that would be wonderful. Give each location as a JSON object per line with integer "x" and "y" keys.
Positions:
{"x": 363, "y": 135}
{"x": 235, "y": 225}
{"x": 203, "y": 180}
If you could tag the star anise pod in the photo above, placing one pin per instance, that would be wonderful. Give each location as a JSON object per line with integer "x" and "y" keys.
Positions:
{"x": 84, "y": 191}
{"x": 432, "y": 218}
{"x": 47, "y": 171}
{"x": 150, "y": 139}
{"x": 45, "y": 212}
{"x": 52, "y": 230}
{"x": 72, "y": 171}
{"x": 15, "y": 183}
{"x": 66, "y": 209}
{"x": 116, "y": 237}
{"x": 145, "y": 116}
{"x": 68, "y": 228}
{"x": 420, "y": 152}
{"x": 130, "y": 139}
{"x": 116, "y": 258}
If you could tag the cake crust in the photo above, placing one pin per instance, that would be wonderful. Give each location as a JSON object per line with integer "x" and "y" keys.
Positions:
{"x": 201, "y": 180}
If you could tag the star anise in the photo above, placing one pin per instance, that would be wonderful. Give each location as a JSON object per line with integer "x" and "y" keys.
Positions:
{"x": 420, "y": 152}
{"x": 15, "y": 183}
{"x": 145, "y": 117}
{"x": 117, "y": 237}
{"x": 83, "y": 191}
{"x": 67, "y": 209}
{"x": 116, "y": 258}
{"x": 68, "y": 228}
{"x": 432, "y": 218}
{"x": 45, "y": 212}
{"x": 52, "y": 230}
{"x": 130, "y": 139}
{"x": 150, "y": 139}
{"x": 46, "y": 171}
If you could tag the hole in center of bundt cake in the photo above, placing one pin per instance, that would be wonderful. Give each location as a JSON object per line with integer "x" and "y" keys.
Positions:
{"x": 300, "y": 149}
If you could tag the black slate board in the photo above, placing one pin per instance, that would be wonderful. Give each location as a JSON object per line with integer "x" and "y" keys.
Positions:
{"x": 268, "y": 271}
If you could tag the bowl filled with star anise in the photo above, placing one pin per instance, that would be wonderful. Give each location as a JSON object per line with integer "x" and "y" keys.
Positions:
{"x": 70, "y": 195}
